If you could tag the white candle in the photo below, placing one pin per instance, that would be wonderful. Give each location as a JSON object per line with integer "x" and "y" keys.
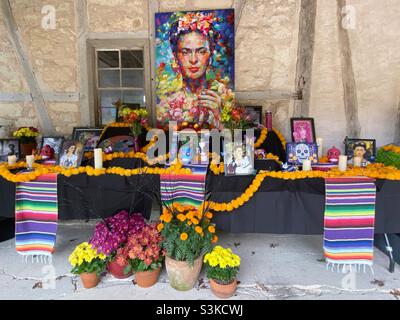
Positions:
{"x": 307, "y": 165}
{"x": 98, "y": 158}
{"x": 12, "y": 160}
{"x": 30, "y": 160}
{"x": 357, "y": 161}
{"x": 342, "y": 163}
{"x": 320, "y": 142}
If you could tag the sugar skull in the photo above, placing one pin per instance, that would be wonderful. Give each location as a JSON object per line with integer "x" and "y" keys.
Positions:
{"x": 302, "y": 152}
{"x": 333, "y": 155}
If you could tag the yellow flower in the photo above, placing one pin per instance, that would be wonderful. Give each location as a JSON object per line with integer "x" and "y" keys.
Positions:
{"x": 199, "y": 230}
{"x": 181, "y": 217}
{"x": 184, "y": 236}
{"x": 160, "y": 226}
{"x": 211, "y": 229}
{"x": 209, "y": 215}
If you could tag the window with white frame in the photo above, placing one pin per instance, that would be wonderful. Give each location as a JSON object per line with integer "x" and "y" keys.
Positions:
{"x": 120, "y": 75}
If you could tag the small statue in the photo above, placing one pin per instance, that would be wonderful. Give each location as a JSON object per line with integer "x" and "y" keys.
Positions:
{"x": 333, "y": 155}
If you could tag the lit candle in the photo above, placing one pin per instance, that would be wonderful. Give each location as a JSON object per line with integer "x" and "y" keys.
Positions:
{"x": 307, "y": 165}
{"x": 320, "y": 142}
{"x": 342, "y": 163}
{"x": 12, "y": 160}
{"x": 98, "y": 158}
{"x": 30, "y": 160}
{"x": 357, "y": 161}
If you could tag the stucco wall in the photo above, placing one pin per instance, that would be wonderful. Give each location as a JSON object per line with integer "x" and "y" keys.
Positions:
{"x": 266, "y": 57}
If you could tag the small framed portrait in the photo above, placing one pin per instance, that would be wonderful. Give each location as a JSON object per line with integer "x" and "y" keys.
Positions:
{"x": 303, "y": 130}
{"x": 50, "y": 147}
{"x": 238, "y": 159}
{"x": 71, "y": 154}
{"x": 9, "y": 147}
{"x": 88, "y": 136}
{"x": 360, "y": 148}
{"x": 193, "y": 147}
{"x": 255, "y": 113}
{"x": 298, "y": 152}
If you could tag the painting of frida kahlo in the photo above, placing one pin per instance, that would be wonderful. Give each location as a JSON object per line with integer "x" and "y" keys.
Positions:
{"x": 194, "y": 66}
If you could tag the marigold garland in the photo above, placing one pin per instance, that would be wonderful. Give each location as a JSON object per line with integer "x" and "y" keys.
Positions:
{"x": 392, "y": 148}
{"x": 377, "y": 171}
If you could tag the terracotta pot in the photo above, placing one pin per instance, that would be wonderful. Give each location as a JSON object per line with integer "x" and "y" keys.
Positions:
{"x": 90, "y": 280}
{"x": 118, "y": 271}
{"x": 183, "y": 276}
{"x": 146, "y": 279}
{"x": 223, "y": 291}
{"x": 27, "y": 148}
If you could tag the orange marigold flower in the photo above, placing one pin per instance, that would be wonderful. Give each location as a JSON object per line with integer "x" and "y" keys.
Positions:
{"x": 195, "y": 221}
{"x": 211, "y": 229}
{"x": 160, "y": 226}
{"x": 214, "y": 239}
{"x": 184, "y": 236}
{"x": 199, "y": 230}
{"x": 181, "y": 217}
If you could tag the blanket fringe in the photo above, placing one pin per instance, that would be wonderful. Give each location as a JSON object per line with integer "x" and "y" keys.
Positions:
{"x": 349, "y": 267}
{"x": 37, "y": 258}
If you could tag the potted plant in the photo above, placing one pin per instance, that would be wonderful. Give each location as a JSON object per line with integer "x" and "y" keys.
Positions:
{"x": 27, "y": 137}
{"x": 88, "y": 264}
{"x": 137, "y": 119}
{"x": 111, "y": 234}
{"x": 143, "y": 255}
{"x": 222, "y": 266}
{"x": 187, "y": 234}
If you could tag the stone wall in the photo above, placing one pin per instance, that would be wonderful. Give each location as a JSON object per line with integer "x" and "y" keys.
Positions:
{"x": 266, "y": 57}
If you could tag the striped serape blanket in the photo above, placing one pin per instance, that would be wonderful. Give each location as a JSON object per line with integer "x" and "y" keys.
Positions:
{"x": 36, "y": 215}
{"x": 349, "y": 222}
{"x": 186, "y": 189}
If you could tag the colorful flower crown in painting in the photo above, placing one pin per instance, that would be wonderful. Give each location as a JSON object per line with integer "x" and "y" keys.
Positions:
{"x": 197, "y": 21}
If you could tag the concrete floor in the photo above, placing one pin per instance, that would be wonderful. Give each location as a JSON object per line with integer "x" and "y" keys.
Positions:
{"x": 273, "y": 267}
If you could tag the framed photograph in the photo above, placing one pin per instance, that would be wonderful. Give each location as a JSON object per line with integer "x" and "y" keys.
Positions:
{"x": 362, "y": 148}
{"x": 50, "y": 147}
{"x": 71, "y": 154}
{"x": 303, "y": 130}
{"x": 193, "y": 147}
{"x": 9, "y": 147}
{"x": 88, "y": 136}
{"x": 298, "y": 152}
{"x": 255, "y": 113}
{"x": 238, "y": 159}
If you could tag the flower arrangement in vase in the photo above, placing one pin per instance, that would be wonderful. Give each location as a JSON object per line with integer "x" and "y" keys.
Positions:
{"x": 137, "y": 119}
{"x": 143, "y": 255}
{"x": 88, "y": 264}
{"x": 27, "y": 137}
{"x": 222, "y": 266}
{"x": 111, "y": 234}
{"x": 187, "y": 234}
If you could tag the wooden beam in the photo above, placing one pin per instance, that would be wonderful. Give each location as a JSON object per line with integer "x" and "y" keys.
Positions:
{"x": 86, "y": 100}
{"x": 154, "y": 7}
{"x": 305, "y": 55}
{"x": 35, "y": 91}
{"x": 348, "y": 80}
{"x": 396, "y": 139}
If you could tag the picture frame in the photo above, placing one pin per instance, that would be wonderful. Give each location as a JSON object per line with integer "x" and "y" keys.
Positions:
{"x": 238, "y": 159}
{"x": 55, "y": 142}
{"x": 298, "y": 152}
{"x": 256, "y": 113}
{"x": 303, "y": 130}
{"x": 193, "y": 154}
{"x": 364, "y": 148}
{"x": 71, "y": 154}
{"x": 9, "y": 147}
{"x": 88, "y": 136}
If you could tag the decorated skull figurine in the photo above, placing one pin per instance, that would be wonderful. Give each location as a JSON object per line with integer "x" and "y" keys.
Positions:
{"x": 333, "y": 155}
{"x": 302, "y": 151}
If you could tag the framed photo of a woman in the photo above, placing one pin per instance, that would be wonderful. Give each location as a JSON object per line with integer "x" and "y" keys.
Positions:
{"x": 194, "y": 66}
{"x": 303, "y": 130}
{"x": 365, "y": 149}
{"x": 71, "y": 154}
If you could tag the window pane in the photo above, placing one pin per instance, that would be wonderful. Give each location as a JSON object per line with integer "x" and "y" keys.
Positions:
{"x": 108, "y": 97}
{"x": 132, "y": 78}
{"x": 109, "y": 78}
{"x": 129, "y": 96}
{"x": 108, "y": 59}
{"x": 132, "y": 59}
{"x": 108, "y": 115}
